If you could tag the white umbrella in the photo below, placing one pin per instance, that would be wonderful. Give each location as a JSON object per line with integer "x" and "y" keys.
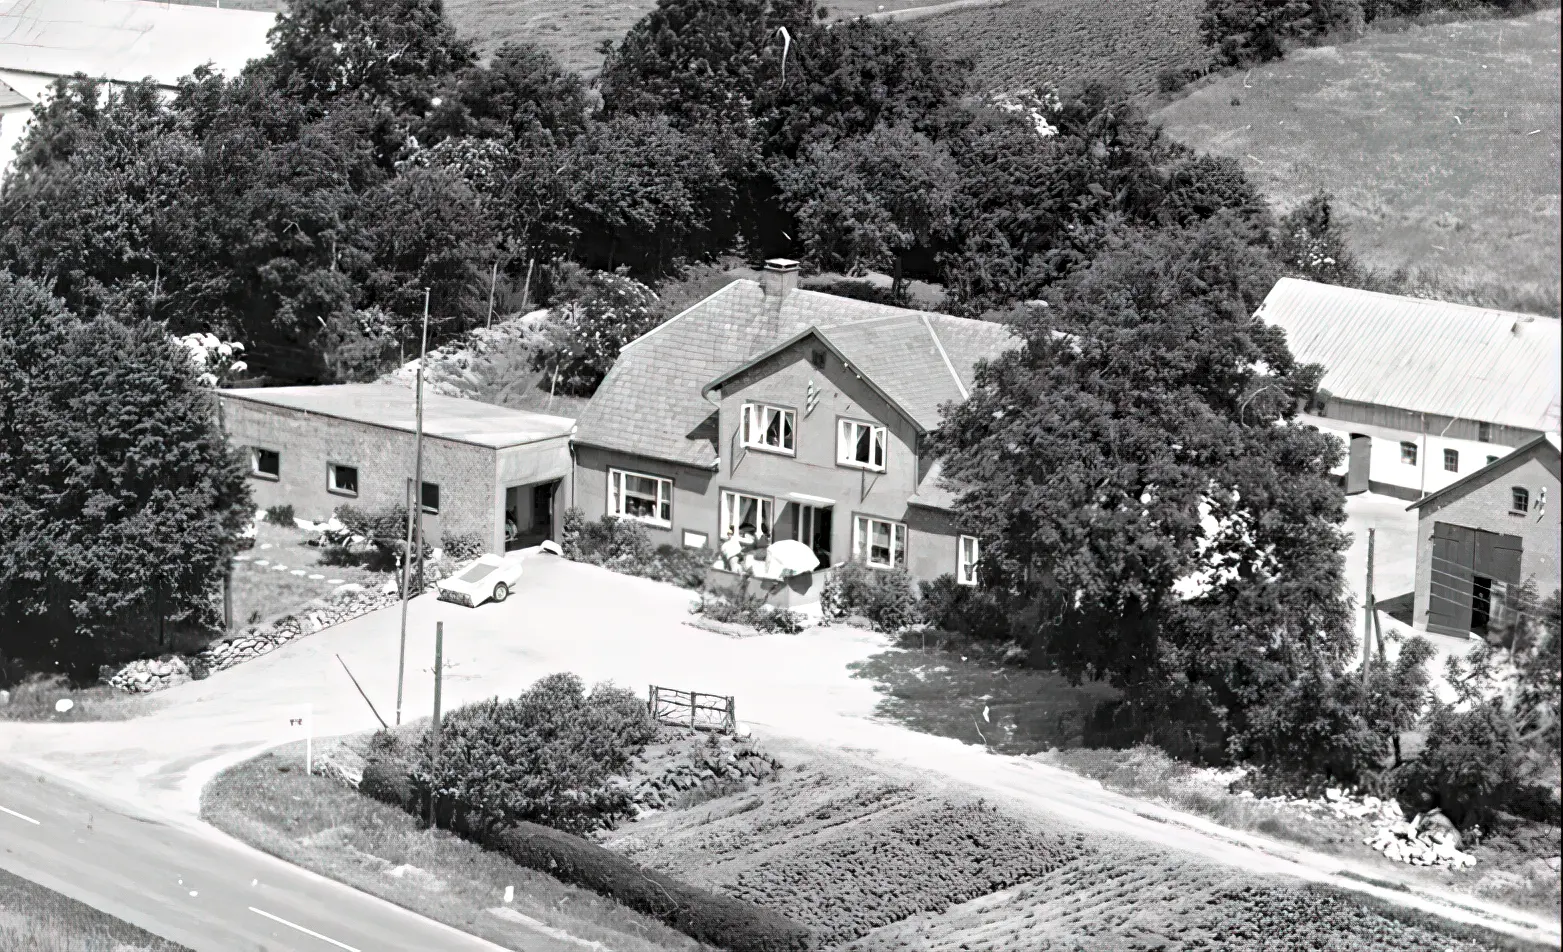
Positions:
{"x": 790, "y": 555}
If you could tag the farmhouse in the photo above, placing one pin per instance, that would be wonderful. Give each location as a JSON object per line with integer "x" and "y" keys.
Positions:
{"x": 488, "y": 471}
{"x": 124, "y": 41}
{"x": 792, "y": 414}
{"x": 1424, "y": 393}
{"x": 1491, "y": 530}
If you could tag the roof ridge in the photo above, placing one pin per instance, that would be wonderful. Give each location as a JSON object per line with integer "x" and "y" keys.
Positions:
{"x": 1430, "y": 302}
{"x": 948, "y": 365}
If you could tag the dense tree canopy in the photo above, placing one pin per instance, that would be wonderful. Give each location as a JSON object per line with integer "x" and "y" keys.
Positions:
{"x": 119, "y": 496}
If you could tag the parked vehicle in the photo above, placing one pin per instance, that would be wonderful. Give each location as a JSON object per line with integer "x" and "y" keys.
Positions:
{"x": 490, "y": 577}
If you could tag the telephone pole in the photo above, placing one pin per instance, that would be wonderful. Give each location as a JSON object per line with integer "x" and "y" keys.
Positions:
{"x": 417, "y": 469}
{"x": 1368, "y": 612}
{"x": 439, "y": 672}
{"x": 414, "y": 513}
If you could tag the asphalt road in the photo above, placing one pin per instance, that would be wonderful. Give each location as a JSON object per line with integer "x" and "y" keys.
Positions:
{"x": 190, "y": 886}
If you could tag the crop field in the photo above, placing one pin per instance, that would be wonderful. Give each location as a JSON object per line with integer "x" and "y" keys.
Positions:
{"x": 1441, "y": 145}
{"x": 1030, "y": 43}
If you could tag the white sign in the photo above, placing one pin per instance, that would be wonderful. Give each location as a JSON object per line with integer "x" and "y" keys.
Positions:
{"x": 301, "y": 720}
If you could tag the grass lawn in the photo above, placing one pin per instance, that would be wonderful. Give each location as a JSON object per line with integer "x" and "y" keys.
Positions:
{"x": 1440, "y": 144}
{"x": 944, "y": 694}
{"x": 316, "y": 823}
{"x": 36, "y": 699}
{"x": 35, "y": 919}
{"x": 262, "y": 593}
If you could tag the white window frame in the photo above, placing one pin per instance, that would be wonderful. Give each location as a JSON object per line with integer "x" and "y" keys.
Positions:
{"x": 335, "y": 487}
{"x": 662, "y": 503}
{"x": 863, "y": 545}
{"x": 732, "y": 509}
{"x": 847, "y": 431}
{"x": 757, "y": 416}
{"x": 255, "y": 468}
{"x": 1409, "y": 452}
{"x": 1451, "y": 456}
{"x": 968, "y": 552}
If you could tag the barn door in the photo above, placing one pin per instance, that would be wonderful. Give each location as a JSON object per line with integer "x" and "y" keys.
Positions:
{"x": 1361, "y": 454}
{"x": 1451, "y": 580}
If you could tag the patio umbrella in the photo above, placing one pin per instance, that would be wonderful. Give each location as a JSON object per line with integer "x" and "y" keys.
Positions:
{"x": 792, "y": 556}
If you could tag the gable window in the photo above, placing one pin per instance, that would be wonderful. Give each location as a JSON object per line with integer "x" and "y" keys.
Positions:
{"x": 1484, "y": 432}
{"x": 267, "y": 464}
{"x": 879, "y": 543}
{"x": 647, "y": 499}
{"x": 1519, "y": 500}
{"x": 1408, "y": 453}
{"x": 431, "y": 498}
{"x": 1452, "y": 460}
{"x": 342, "y": 480}
{"x": 742, "y": 512}
{"x": 966, "y": 563}
{"x": 770, "y": 428}
{"x": 861, "y": 445}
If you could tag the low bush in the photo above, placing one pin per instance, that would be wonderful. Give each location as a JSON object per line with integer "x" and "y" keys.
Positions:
{"x": 887, "y": 598}
{"x": 966, "y": 609}
{"x": 739, "y": 606}
{"x": 624, "y": 546}
{"x": 462, "y": 546}
{"x": 550, "y": 756}
{"x": 280, "y": 516}
{"x": 723, "y": 921}
{"x": 1244, "y": 32}
{"x": 1471, "y": 763}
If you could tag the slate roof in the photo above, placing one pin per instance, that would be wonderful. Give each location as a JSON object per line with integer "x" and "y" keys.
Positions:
{"x": 395, "y": 408}
{"x": 1452, "y": 360}
{"x": 650, "y": 404}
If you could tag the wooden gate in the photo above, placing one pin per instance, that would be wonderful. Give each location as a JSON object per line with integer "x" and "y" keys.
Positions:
{"x": 707, "y": 712}
{"x": 1358, "y": 462}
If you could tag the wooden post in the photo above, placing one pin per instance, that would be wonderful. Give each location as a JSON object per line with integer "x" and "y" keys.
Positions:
{"x": 417, "y": 466}
{"x": 228, "y": 598}
{"x": 694, "y": 702}
{"x": 651, "y": 701}
{"x": 1367, "y": 614}
{"x": 439, "y": 658}
{"x": 493, "y": 278}
{"x": 526, "y": 289}
{"x": 732, "y": 714}
{"x": 401, "y": 659}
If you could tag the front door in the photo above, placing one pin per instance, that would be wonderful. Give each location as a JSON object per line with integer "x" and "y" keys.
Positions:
{"x": 813, "y": 528}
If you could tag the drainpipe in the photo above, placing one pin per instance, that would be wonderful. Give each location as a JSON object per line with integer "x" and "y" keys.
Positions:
{"x": 1422, "y": 489}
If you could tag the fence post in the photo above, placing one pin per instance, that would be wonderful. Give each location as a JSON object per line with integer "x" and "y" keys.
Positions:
{"x": 651, "y": 701}
{"x": 694, "y": 702}
{"x": 732, "y": 714}
{"x": 439, "y": 664}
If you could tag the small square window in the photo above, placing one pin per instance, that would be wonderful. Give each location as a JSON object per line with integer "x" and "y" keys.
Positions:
{"x": 1408, "y": 453}
{"x": 1484, "y": 432}
{"x": 817, "y": 357}
{"x": 267, "y": 464}
{"x": 1452, "y": 460}
{"x": 431, "y": 498}
{"x": 342, "y": 480}
{"x": 1519, "y": 500}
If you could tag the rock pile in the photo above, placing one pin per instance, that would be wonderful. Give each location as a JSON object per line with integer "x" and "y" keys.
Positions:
{"x": 1430, "y": 839}
{"x": 723, "y": 768}
{"x": 347, "y": 602}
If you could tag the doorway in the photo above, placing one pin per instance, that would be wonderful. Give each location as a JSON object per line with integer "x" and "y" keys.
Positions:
{"x": 529, "y": 514}
{"x": 1360, "y": 456}
{"x": 813, "y": 529}
{"x": 543, "y": 509}
{"x": 1481, "y": 603}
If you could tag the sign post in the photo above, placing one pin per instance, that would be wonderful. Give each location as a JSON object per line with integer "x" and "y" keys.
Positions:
{"x": 439, "y": 664}
{"x": 302, "y": 719}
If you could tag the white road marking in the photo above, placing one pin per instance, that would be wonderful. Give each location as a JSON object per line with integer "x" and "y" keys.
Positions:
{"x": 308, "y": 932}
{"x": 21, "y": 816}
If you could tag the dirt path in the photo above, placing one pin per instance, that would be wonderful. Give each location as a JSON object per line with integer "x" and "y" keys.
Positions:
{"x": 570, "y": 617}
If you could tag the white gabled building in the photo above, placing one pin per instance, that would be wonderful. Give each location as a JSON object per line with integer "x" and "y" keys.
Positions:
{"x": 124, "y": 41}
{"x": 1423, "y": 392}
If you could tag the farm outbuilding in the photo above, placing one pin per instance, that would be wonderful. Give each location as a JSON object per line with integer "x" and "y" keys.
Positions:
{"x": 489, "y": 471}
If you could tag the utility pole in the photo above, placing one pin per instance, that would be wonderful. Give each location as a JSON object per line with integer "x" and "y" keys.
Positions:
{"x": 1368, "y": 613}
{"x": 439, "y": 672}
{"x": 493, "y": 278}
{"x": 417, "y": 469}
{"x": 401, "y": 661}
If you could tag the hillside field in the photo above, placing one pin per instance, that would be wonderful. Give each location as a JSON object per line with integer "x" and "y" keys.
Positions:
{"x": 1030, "y": 43}
{"x": 1439, "y": 143}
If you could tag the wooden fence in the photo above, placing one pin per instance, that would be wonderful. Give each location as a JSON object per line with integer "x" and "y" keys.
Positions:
{"x": 707, "y": 712}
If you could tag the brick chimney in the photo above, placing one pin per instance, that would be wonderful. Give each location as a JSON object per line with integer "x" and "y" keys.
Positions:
{"x": 779, "y": 279}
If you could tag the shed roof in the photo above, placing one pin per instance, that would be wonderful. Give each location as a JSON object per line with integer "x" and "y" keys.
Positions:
{"x": 1544, "y": 447}
{"x": 394, "y": 407}
{"x": 651, "y": 405}
{"x": 1433, "y": 357}
{"x": 10, "y": 98}
{"x": 128, "y": 40}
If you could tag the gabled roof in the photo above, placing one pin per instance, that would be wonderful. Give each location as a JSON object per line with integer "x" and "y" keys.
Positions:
{"x": 651, "y": 402}
{"x": 1544, "y": 447}
{"x": 127, "y": 40}
{"x": 395, "y": 408}
{"x": 1433, "y": 357}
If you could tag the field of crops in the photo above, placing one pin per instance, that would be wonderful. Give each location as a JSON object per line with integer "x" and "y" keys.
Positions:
{"x": 1441, "y": 145}
{"x": 1028, "y": 43}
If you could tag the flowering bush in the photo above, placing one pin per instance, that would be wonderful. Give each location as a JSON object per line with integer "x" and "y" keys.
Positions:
{"x": 887, "y": 598}
{"x": 216, "y": 361}
{"x": 595, "y": 315}
{"x": 739, "y": 606}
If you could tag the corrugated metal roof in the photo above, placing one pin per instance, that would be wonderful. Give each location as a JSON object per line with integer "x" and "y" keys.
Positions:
{"x": 10, "y": 98}
{"x": 127, "y": 40}
{"x": 1424, "y": 356}
{"x": 393, "y": 407}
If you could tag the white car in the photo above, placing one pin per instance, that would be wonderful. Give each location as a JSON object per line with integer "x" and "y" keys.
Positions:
{"x": 490, "y": 577}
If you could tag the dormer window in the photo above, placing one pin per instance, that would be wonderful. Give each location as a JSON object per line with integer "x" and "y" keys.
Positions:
{"x": 861, "y": 445}
{"x": 772, "y": 428}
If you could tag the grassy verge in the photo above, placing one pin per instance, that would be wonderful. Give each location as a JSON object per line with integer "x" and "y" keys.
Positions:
{"x": 290, "y": 576}
{"x": 35, "y": 919}
{"x": 313, "y": 822}
{"x": 37, "y": 699}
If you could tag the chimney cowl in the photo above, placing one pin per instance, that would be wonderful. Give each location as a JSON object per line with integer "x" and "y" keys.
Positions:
{"x": 779, "y": 278}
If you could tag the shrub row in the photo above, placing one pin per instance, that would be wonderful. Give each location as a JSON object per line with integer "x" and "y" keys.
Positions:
{"x": 904, "y": 863}
{"x": 1244, "y": 32}
{"x": 739, "y": 606}
{"x": 624, "y": 546}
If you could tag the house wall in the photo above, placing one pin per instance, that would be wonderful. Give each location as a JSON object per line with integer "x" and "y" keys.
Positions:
{"x": 528, "y": 466}
{"x": 694, "y": 501}
{"x": 308, "y": 442}
{"x": 1388, "y": 475}
{"x": 1486, "y": 507}
{"x": 13, "y": 126}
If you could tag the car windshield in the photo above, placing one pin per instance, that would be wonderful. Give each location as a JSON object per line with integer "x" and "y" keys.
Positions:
{"x": 477, "y": 573}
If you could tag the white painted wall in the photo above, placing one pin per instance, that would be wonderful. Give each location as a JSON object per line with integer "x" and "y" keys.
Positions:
{"x": 1385, "y": 465}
